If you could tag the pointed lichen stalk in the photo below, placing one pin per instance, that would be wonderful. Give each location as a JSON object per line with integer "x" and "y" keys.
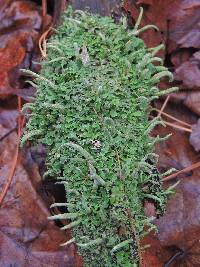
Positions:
{"x": 91, "y": 113}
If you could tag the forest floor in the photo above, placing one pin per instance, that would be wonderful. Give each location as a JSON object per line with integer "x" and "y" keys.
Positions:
{"x": 27, "y": 238}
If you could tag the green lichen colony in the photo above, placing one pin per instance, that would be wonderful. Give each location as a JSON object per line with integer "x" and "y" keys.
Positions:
{"x": 91, "y": 113}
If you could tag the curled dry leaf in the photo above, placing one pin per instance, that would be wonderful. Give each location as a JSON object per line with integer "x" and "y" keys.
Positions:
{"x": 19, "y": 29}
{"x": 153, "y": 14}
{"x": 155, "y": 255}
{"x": 180, "y": 56}
{"x": 27, "y": 238}
{"x": 184, "y": 23}
{"x": 190, "y": 99}
{"x": 189, "y": 72}
{"x": 195, "y": 136}
{"x": 178, "y": 229}
{"x": 178, "y": 22}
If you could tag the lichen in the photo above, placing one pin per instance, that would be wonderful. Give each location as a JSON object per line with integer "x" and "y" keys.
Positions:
{"x": 91, "y": 113}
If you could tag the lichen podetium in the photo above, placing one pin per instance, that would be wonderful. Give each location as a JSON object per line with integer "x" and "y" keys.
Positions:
{"x": 91, "y": 113}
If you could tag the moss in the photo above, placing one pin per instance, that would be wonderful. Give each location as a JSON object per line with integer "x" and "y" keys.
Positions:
{"x": 91, "y": 113}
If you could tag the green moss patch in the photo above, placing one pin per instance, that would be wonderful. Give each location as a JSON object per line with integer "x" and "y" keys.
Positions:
{"x": 91, "y": 113}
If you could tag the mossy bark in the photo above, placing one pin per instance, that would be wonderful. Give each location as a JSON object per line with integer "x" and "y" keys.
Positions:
{"x": 91, "y": 112}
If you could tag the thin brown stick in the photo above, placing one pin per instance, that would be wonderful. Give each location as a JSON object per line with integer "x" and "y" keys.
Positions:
{"x": 10, "y": 175}
{"x": 187, "y": 169}
{"x": 44, "y": 8}
{"x": 7, "y": 134}
{"x": 177, "y": 126}
{"x": 44, "y": 13}
{"x": 14, "y": 163}
{"x": 173, "y": 118}
{"x": 164, "y": 105}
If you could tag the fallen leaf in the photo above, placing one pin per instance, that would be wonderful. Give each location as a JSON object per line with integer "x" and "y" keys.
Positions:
{"x": 178, "y": 229}
{"x": 180, "y": 56}
{"x": 27, "y": 238}
{"x": 153, "y": 14}
{"x": 11, "y": 55}
{"x": 195, "y": 136}
{"x": 155, "y": 254}
{"x": 189, "y": 72}
{"x": 190, "y": 99}
{"x": 184, "y": 23}
{"x": 19, "y": 31}
{"x": 178, "y": 22}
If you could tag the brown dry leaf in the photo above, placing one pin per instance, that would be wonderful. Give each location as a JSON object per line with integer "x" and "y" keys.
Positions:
{"x": 178, "y": 21}
{"x": 179, "y": 228}
{"x": 176, "y": 152}
{"x": 8, "y": 119}
{"x": 184, "y": 23}
{"x": 153, "y": 14}
{"x": 27, "y": 238}
{"x": 195, "y": 136}
{"x": 190, "y": 99}
{"x": 180, "y": 56}
{"x": 155, "y": 255}
{"x": 189, "y": 72}
{"x": 19, "y": 30}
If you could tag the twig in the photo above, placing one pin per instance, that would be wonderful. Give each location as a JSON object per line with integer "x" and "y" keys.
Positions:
{"x": 164, "y": 105}
{"x": 44, "y": 8}
{"x": 187, "y": 169}
{"x": 7, "y": 134}
{"x": 44, "y": 13}
{"x": 14, "y": 163}
{"x": 173, "y": 258}
{"x": 172, "y": 117}
{"x": 177, "y": 126}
